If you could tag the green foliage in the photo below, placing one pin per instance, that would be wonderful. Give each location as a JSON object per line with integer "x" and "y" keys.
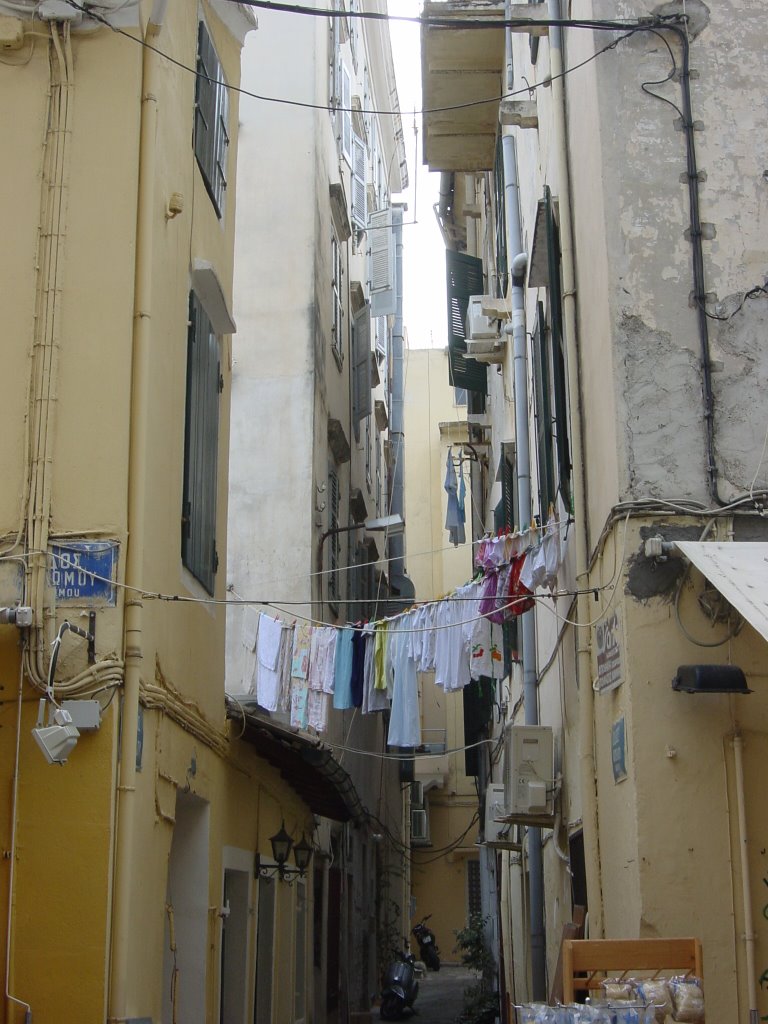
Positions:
{"x": 470, "y": 942}
{"x": 480, "y": 1001}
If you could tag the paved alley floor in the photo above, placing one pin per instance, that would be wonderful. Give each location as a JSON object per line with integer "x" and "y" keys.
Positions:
{"x": 441, "y": 994}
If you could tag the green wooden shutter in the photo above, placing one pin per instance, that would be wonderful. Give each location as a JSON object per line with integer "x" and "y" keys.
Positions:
{"x": 543, "y": 412}
{"x": 559, "y": 378}
{"x": 201, "y": 443}
{"x": 464, "y": 277}
{"x": 361, "y": 366}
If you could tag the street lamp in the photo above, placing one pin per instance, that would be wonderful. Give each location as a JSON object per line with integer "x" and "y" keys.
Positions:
{"x": 392, "y": 525}
{"x": 282, "y": 844}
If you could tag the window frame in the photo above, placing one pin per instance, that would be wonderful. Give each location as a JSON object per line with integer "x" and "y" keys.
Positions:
{"x": 337, "y": 300}
{"x": 211, "y": 124}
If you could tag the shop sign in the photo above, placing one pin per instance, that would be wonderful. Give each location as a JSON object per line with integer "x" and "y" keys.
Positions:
{"x": 609, "y": 643}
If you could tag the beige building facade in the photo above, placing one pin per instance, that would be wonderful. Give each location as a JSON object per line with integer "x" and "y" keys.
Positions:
{"x": 633, "y": 189}
{"x": 130, "y": 883}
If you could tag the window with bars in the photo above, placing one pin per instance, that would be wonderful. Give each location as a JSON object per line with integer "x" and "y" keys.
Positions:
{"x": 334, "y": 546}
{"x": 211, "y": 133}
{"x": 474, "y": 896}
{"x": 337, "y": 300}
{"x": 201, "y": 442}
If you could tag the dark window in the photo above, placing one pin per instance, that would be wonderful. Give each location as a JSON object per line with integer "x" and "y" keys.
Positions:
{"x": 333, "y": 539}
{"x": 550, "y": 381}
{"x": 474, "y": 899}
{"x": 201, "y": 444}
{"x": 464, "y": 277}
{"x": 211, "y": 119}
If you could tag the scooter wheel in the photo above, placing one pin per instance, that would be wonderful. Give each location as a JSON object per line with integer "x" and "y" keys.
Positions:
{"x": 391, "y": 1008}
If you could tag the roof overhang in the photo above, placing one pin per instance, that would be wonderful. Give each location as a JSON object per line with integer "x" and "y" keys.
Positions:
{"x": 306, "y": 764}
{"x": 739, "y": 570}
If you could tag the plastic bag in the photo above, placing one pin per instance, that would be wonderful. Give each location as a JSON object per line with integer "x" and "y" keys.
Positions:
{"x": 687, "y": 1000}
{"x": 655, "y": 993}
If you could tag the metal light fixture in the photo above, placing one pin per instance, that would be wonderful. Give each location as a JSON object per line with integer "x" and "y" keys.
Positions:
{"x": 282, "y": 844}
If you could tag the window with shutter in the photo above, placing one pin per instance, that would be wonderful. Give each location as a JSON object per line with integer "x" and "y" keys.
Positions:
{"x": 346, "y": 112}
{"x": 464, "y": 277}
{"x": 211, "y": 133}
{"x": 359, "y": 211}
{"x": 559, "y": 373}
{"x": 201, "y": 442}
{"x": 543, "y": 411}
{"x": 361, "y": 368}
{"x": 337, "y": 300}
{"x": 382, "y": 262}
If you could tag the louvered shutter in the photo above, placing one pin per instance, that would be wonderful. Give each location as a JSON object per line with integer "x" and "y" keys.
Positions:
{"x": 559, "y": 380}
{"x": 464, "y": 277}
{"x": 361, "y": 369}
{"x": 382, "y": 284}
{"x": 543, "y": 409}
{"x": 359, "y": 212}
{"x": 201, "y": 443}
{"x": 346, "y": 113}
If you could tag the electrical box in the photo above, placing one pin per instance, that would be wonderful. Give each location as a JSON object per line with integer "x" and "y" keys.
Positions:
{"x": 85, "y": 714}
{"x": 529, "y": 787}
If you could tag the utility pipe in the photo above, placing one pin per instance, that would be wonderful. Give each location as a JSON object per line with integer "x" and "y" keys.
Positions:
{"x": 528, "y": 623}
{"x": 746, "y": 889}
{"x": 123, "y": 921}
{"x": 583, "y": 659}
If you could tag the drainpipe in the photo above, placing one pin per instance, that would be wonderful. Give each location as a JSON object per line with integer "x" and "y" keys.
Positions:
{"x": 397, "y": 574}
{"x": 584, "y": 660}
{"x": 749, "y": 931}
{"x": 528, "y": 623}
{"x": 137, "y": 489}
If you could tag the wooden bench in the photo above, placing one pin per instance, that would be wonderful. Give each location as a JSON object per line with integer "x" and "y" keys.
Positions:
{"x": 587, "y": 962}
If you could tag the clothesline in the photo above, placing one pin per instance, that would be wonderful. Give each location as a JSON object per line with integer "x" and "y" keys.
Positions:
{"x": 305, "y": 668}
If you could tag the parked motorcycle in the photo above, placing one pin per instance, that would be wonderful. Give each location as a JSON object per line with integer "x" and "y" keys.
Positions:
{"x": 427, "y": 945}
{"x": 400, "y": 987}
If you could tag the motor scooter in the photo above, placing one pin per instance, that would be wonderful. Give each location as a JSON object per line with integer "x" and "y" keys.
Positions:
{"x": 400, "y": 988}
{"x": 427, "y": 946}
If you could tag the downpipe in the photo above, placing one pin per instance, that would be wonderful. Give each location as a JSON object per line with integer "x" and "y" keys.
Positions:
{"x": 588, "y": 778}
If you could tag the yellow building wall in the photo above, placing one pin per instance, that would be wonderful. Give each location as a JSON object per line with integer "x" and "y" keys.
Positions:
{"x": 438, "y": 879}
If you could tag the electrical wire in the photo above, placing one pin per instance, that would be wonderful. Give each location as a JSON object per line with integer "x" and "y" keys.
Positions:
{"x": 628, "y": 28}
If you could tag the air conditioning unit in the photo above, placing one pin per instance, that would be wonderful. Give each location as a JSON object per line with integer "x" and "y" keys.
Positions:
{"x": 498, "y": 833}
{"x": 488, "y": 351}
{"x": 529, "y": 788}
{"x": 419, "y": 826}
{"x": 480, "y": 327}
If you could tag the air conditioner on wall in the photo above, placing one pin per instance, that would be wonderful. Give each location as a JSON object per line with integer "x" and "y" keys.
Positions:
{"x": 480, "y": 327}
{"x": 497, "y": 832}
{"x": 529, "y": 789}
{"x": 419, "y": 830}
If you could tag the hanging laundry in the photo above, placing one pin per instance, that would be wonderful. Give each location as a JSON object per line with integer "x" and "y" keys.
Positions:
{"x": 250, "y": 636}
{"x": 317, "y": 710}
{"x": 268, "y": 660}
{"x": 322, "y": 658}
{"x": 380, "y": 656}
{"x": 302, "y": 639}
{"x": 299, "y": 698}
{"x": 453, "y": 521}
{"x": 404, "y": 720}
{"x": 284, "y": 669}
{"x": 552, "y": 556}
{"x": 342, "y": 685}
{"x": 373, "y": 699}
{"x": 520, "y": 597}
{"x": 451, "y": 652}
{"x": 357, "y": 681}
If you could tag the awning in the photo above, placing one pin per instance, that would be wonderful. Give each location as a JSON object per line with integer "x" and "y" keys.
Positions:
{"x": 306, "y": 764}
{"x": 739, "y": 570}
